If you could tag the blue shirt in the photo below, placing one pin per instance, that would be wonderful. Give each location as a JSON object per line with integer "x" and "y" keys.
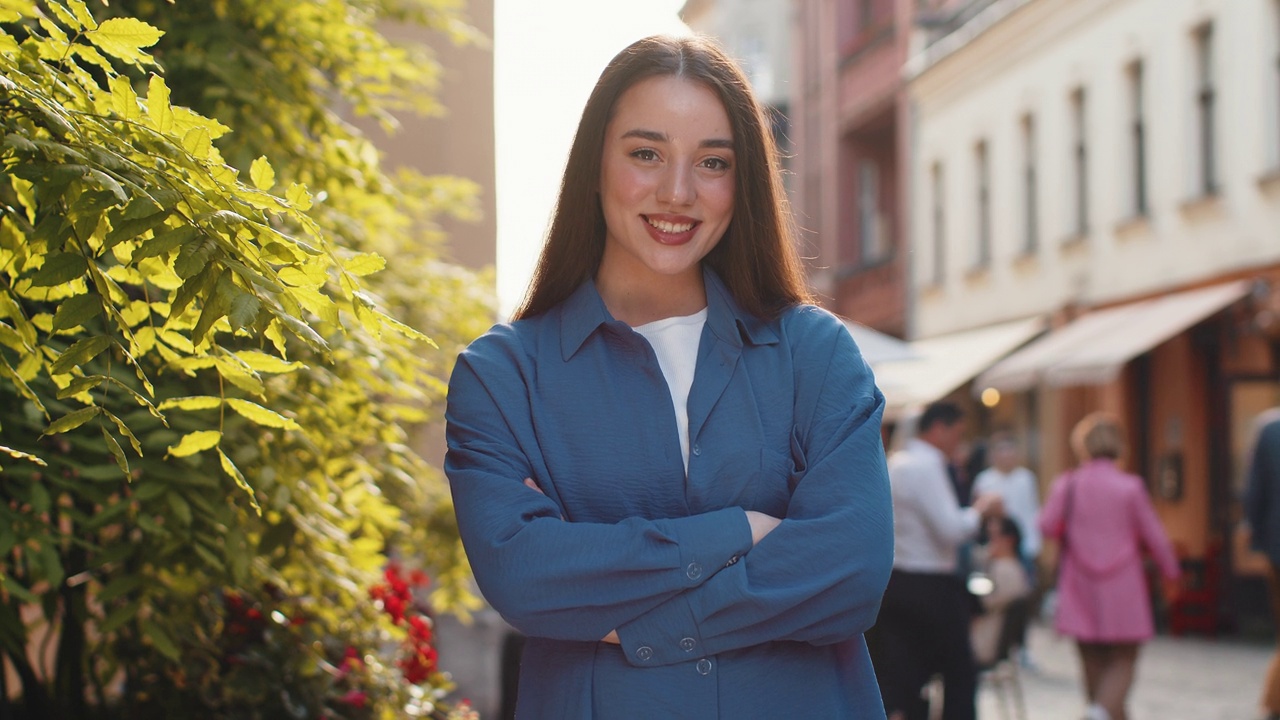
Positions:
{"x": 784, "y": 418}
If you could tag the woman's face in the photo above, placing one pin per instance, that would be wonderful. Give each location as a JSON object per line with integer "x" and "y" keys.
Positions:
{"x": 666, "y": 178}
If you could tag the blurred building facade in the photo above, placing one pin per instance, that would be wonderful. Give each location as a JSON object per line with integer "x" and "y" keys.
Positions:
{"x": 1111, "y": 170}
{"x": 851, "y": 132}
{"x": 756, "y": 33}
{"x": 1065, "y": 206}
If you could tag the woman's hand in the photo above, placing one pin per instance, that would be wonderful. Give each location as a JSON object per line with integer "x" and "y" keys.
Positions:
{"x": 530, "y": 483}
{"x": 761, "y": 525}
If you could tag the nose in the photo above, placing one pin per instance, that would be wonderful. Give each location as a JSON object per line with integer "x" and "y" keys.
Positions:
{"x": 677, "y": 186}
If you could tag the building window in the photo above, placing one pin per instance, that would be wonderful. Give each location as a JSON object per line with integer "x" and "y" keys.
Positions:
{"x": 1138, "y": 141}
{"x": 871, "y": 226}
{"x": 1207, "y": 177}
{"x": 982, "y": 167}
{"x": 1030, "y": 201}
{"x": 1079, "y": 164}
{"x": 939, "y": 226}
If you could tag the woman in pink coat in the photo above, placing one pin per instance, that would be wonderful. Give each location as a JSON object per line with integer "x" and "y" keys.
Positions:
{"x": 1102, "y": 519}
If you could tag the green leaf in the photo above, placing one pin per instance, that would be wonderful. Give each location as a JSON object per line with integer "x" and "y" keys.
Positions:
{"x": 82, "y": 13}
{"x": 124, "y": 101}
{"x": 125, "y": 431}
{"x": 132, "y": 228}
{"x": 77, "y": 310}
{"x": 19, "y": 455}
{"x": 19, "y": 590}
{"x": 244, "y": 310}
{"x": 365, "y": 264}
{"x": 194, "y": 402}
{"x": 120, "y": 616}
{"x": 51, "y": 563}
{"x": 195, "y": 442}
{"x": 81, "y": 352}
{"x": 262, "y": 362}
{"x": 298, "y": 197}
{"x": 198, "y": 143}
{"x": 230, "y": 469}
{"x": 192, "y": 258}
{"x": 119, "y": 586}
{"x": 181, "y": 509}
{"x": 116, "y": 451}
{"x": 262, "y": 174}
{"x": 124, "y": 38}
{"x": 41, "y": 501}
{"x": 80, "y": 384}
{"x": 59, "y": 268}
{"x": 160, "y": 639}
{"x": 159, "y": 110}
{"x": 165, "y": 241}
{"x": 260, "y": 415}
{"x": 72, "y": 420}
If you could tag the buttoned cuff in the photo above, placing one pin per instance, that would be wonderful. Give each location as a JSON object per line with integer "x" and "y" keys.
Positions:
{"x": 708, "y": 542}
{"x": 666, "y": 635}
{"x": 669, "y": 633}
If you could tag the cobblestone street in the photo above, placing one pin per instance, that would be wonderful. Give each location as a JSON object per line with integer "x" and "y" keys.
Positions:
{"x": 1179, "y": 678}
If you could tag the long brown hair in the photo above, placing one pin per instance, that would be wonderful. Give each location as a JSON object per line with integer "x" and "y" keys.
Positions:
{"x": 756, "y": 258}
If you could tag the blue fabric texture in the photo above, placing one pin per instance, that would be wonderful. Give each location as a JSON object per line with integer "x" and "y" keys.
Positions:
{"x": 784, "y": 418}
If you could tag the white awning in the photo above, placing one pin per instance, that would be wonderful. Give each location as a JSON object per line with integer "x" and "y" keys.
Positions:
{"x": 946, "y": 362}
{"x": 878, "y": 347}
{"x": 1093, "y": 348}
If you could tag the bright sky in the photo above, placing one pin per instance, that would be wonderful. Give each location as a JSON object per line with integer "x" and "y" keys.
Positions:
{"x": 548, "y": 55}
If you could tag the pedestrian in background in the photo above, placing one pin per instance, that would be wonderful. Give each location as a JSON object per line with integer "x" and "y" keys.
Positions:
{"x": 924, "y": 620}
{"x": 1102, "y": 519}
{"x": 667, "y": 470}
{"x": 1262, "y": 508}
{"x": 1017, "y": 487}
{"x": 1002, "y": 565}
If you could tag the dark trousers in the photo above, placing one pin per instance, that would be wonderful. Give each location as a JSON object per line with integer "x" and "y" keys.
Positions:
{"x": 922, "y": 630}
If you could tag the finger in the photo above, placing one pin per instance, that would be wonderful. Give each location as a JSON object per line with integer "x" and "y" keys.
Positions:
{"x": 529, "y": 482}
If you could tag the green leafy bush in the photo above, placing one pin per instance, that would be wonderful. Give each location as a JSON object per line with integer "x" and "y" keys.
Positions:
{"x": 210, "y": 375}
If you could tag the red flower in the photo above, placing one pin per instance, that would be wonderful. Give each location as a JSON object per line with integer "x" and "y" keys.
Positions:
{"x": 355, "y": 698}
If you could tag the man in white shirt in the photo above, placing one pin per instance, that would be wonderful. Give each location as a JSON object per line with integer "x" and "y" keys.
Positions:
{"x": 923, "y": 627}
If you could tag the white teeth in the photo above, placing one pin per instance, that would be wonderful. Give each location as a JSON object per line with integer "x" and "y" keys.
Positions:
{"x": 667, "y": 227}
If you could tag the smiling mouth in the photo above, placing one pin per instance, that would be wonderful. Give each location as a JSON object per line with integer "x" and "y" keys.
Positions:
{"x": 670, "y": 227}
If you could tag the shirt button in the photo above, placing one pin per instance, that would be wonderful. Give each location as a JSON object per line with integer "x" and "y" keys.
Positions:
{"x": 704, "y": 667}
{"x": 687, "y": 644}
{"x": 697, "y": 449}
{"x": 694, "y": 571}
{"x": 644, "y": 653}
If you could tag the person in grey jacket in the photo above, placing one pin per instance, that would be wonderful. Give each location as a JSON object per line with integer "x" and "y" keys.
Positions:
{"x": 1262, "y": 506}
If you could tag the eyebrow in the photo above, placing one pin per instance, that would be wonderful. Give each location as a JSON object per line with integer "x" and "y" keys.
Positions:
{"x": 655, "y": 136}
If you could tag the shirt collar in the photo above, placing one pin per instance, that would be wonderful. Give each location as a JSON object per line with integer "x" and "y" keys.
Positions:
{"x": 583, "y": 312}
{"x": 916, "y": 446}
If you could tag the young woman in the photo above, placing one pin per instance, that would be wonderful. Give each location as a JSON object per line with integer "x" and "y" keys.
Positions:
{"x": 1102, "y": 519}
{"x": 667, "y": 470}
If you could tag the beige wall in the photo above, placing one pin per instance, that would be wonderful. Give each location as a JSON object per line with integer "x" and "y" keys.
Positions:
{"x": 462, "y": 141}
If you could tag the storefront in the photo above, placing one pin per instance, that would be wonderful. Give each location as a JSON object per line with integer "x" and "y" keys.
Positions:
{"x": 1186, "y": 372}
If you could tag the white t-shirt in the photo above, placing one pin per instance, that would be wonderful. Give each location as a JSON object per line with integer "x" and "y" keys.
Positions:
{"x": 1021, "y": 501}
{"x": 675, "y": 341}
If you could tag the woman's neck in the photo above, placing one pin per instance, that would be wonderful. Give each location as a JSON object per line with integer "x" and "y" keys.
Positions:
{"x": 639, "y": 300}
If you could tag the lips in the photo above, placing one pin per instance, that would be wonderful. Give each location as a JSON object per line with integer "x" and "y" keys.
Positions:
{"x": 671, "y": 230}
